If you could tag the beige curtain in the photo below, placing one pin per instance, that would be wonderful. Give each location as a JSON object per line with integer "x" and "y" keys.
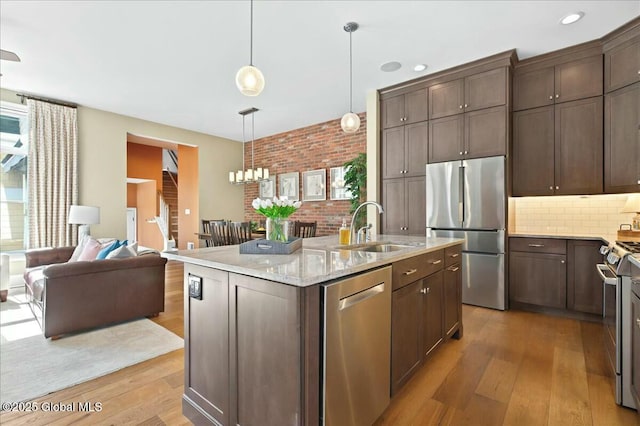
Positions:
{"x": 52, "y": 173}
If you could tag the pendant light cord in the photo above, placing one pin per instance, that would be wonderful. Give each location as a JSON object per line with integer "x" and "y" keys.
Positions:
{"x": 243, "y": 144}
{"x": 251, "y": 37}
{"x": 350, "y": 72}
{"x": 252, "y": 137}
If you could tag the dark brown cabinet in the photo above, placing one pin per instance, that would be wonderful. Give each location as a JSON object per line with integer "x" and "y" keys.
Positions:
{"x": 452, "y": 291}
{"x": 432, "y": 292}
{"x": 535, "y": 87}
{"x": 405, "y": 206}
{"x": 557, "y": 150}
{"x": 477, "y": 91}
{"x": 556, "y": 273}
{"x": 404, "y": 109}
{"x": 538, "y": 272}
{"x": 477, "y": 134}
{"x": 404, "y": 150}
{"x": 584, "y": 285}
{"x": 622, "y": 60}
{"x": 622, "y": 140}
{"x": 242, "y": 339}
{"x": 423, "y": 305}
{"x": 406, "y": 333}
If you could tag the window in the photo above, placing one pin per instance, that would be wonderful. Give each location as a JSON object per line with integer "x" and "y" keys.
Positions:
{"x": 13, "y": 176}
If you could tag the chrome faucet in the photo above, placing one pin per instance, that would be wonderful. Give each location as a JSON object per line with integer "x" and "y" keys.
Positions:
{"x": 353, "y": 220}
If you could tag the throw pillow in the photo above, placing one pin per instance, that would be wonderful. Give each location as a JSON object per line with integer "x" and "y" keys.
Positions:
{"x": 102, "y": 254}
{"x": 122, "y": 252}
{"x": 78, "y": 251}
{"x": 133, "y": 246}
{"x": 90, "y": 249}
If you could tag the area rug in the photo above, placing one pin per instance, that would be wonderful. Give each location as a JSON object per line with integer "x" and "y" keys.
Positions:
{"x": 32, "y": 366}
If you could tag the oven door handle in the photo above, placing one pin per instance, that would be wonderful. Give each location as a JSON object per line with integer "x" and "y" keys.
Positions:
{"x": 603, "y": 270}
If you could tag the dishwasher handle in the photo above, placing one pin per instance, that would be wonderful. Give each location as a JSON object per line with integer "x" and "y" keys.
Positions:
{"x": 354, "y": 299}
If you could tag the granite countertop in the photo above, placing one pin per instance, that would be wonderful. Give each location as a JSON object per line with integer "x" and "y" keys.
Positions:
{"x": 320, "y": 259}
{"x": 606, "y": 239}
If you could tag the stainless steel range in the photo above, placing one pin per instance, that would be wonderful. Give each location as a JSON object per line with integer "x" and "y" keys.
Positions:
{"x": 616, "y": 277}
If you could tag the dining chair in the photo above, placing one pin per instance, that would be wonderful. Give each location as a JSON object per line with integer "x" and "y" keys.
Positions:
{"x": 240, "y": 232}
{"x": 305, "y": 229}
{"x": 220, "y": 233}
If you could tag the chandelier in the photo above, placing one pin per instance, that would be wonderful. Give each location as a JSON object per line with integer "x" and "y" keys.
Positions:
{"x": 252, "y": 174}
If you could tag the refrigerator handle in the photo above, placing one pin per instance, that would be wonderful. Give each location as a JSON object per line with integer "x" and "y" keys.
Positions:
{"x": 461, "y": 195}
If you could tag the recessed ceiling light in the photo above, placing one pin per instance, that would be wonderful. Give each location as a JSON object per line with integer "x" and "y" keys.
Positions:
{"x": 420, "y": 67}
{"x": 390, "y": 66}
{"x": 571, "y": 18}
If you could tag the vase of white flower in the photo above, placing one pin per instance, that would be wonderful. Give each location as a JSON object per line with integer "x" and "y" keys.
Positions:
{"x": 276, "y": 211}
{"x": 277, "y": 229}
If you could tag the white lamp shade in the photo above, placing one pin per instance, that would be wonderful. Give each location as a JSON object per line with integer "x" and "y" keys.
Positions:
{"x": 250, "y": 80}
{"x": 350, "y": 122}
{"x": 632, "y": 205}
{"x": 84, "y": 215}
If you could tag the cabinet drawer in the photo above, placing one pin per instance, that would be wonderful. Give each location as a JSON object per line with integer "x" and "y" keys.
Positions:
{"x": 409, "y": 270}
{"x": 538, "y": 245}
{"x": 452, "y": 255}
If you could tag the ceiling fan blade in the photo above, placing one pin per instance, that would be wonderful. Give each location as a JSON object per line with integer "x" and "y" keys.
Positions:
{"x": 8, "y": 56}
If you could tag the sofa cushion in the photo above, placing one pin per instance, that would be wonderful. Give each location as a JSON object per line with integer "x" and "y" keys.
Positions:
{"x": 90, "y": 250}
{"x": 102, "y": 254}
{"x": 34, "y": 279}
{"x": 122, "y": 252}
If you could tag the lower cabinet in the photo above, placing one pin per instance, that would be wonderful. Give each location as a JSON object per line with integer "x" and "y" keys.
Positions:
{"x": 405, "y": 207}
{"x": 425, "y": 309}
{"x": 555, "y": 273}
{"x": 244, "y": 340}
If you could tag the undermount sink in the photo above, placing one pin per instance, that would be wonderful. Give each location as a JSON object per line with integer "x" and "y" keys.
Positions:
{"x": 382, "y": 248}
{"x": 376, "y": 248}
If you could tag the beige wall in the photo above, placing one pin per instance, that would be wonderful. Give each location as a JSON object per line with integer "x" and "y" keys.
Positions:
{"x": 102, "y": 166}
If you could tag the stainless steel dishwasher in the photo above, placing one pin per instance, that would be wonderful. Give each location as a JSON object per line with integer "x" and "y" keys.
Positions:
{"x": 356, "y": 349}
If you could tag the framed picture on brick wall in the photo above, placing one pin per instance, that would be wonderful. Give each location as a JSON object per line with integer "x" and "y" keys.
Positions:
{"x": 314, "y": 185}
{"x": 338, "y": 191}
{"x": 267, "y": 188}
{"x": 288, "y": 185}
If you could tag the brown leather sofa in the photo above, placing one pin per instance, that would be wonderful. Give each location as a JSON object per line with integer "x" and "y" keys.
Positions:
{"x": 71, "y": 296}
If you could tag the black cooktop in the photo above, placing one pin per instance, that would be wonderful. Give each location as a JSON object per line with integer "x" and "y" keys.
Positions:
{"x": 632, "y": 246}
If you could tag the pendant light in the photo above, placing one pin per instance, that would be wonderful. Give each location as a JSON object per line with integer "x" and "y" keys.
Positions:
{"x": 250, "y": 175}
{"x": 350, "y": 122}
{"x": 249, "y": 79}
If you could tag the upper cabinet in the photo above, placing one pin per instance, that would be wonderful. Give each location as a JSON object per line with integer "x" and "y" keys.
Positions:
{"x": 477, "y": 91}
{"x": 404, "y": 109}
{"x": 622, "y": 109}
{"x": 469, "y": 117}
{"x": 622, "y": 58}
{"x": 535, "y": 87}
{"x": 404, "y": 151}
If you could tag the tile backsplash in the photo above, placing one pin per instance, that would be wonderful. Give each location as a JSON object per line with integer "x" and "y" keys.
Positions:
{"x": 593, "y": 215}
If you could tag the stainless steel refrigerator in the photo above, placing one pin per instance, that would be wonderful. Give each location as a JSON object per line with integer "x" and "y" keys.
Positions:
{"x": 467, "y": 199}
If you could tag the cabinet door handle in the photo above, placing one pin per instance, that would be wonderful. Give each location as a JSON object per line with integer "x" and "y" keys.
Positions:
{"x": 562, "y": 261}
{"x": 410, "y": 272}
{"x": 455, "y": 255}
{"x": 551, "y": 188}
{"x": 466, "y": 105}
{"x": 460, "y": 106}
{"x": 557, "y": 187}
{"x": 425, "y": 290}
{"x": 435, "y": 262}
{"x": 550, "y": 97}
{"x": 536, "y": 245}
{"x": 557, "y": 96}
{"x": 638, "y": 322}
{"x": 453, "y": 268}
{"x": 466, "y": 152}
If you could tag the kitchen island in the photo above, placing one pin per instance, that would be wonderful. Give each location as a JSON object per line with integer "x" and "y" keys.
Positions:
{"x": 253, "y": 324}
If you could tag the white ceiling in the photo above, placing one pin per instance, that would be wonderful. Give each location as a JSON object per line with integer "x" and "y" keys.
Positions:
{"x": 174, "y": 62}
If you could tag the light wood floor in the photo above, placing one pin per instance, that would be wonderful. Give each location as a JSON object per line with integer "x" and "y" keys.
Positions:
{"x": 510, "y": 368}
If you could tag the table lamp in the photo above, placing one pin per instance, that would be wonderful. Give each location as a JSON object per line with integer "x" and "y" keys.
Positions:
{"x": 84, "y": 216}
{"x": 633, "y": 206}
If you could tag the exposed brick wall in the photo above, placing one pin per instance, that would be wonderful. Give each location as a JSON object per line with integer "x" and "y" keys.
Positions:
{"x": 320, "y": 146}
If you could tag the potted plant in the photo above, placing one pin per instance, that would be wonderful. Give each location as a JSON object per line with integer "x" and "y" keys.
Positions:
{"x": 355, "y": 180}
